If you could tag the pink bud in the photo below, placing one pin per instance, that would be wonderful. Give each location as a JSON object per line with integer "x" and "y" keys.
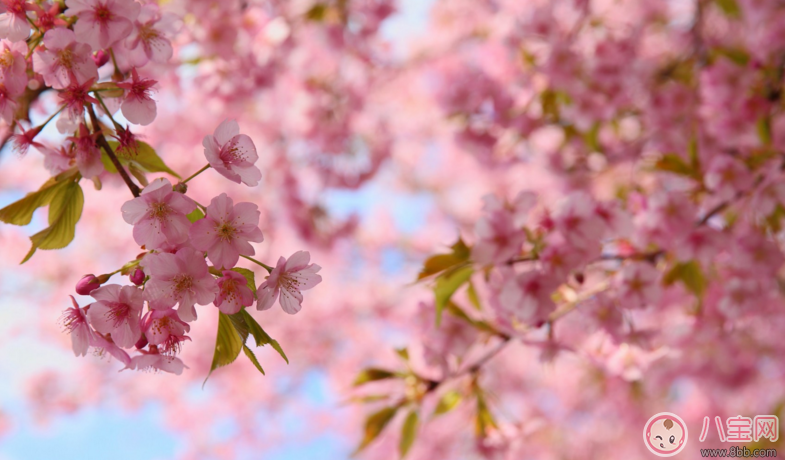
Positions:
{"x": 137, "y": 277}
{"x": 100, "y": 58}
{"x": 87, "y": 284}
{"x": 141, "y": 343}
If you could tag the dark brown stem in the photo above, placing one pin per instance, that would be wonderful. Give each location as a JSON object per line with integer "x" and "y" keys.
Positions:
{"x": 102, "y": 142}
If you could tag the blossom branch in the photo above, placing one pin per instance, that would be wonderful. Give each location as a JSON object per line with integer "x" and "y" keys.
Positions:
{"x": 102, "y": 142}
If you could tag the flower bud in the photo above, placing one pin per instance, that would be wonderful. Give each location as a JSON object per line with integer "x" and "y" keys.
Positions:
{"x": 87, "y": 284}
{"x": 137, "y": 277}
{"x": 100, "y": 58}
{"x": 180, "y": 187}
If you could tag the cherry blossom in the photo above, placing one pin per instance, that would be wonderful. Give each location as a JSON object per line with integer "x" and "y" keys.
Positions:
{"x": 117, "y": 311}
{"x": 138, "y": 107}
{"x": 102, "y": 22}
{"x": 288, "y": 278}
{"x": 232, "y": 154}
{"x": 527, "y": 297}
{"x": 163, "y": 328}
{"x": 226, "y": 231}
{"x": 74, "y": 322}
{"x": 233, "y": 293}
{"x": 86, "y": 154}
{"x": 13, "y": 20}
{"x": 64, "y": 61}
{"x": 181, "y": 278}
{"x": 154, "y": 361}
{"x": 638, "y": 285}
{"x": 159, "y": 215}
{"x": 13, "y": 68}
{"x": 148, "y": 41}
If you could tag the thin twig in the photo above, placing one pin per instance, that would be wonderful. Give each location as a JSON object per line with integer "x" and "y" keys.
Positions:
{"x": 102, "y": 142}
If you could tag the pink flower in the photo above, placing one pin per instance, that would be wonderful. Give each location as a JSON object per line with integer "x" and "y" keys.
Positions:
{"x": 639, "y": 285}
{"x": 64, "y": 61}
{"x": 102, "y": 345}
{"x": 13, "y": 21}
{"x": 233, "y": 293}
{"x": 8, "y": 105}
{"x": 138, "y": 107}
{"x": 164, "y": 329}
{"x": 74, "y": 322}
{"x": 48, "y": 19}
{"x": 13, "y": 67}
{"x": 154, "y": 361}
{"x": 102, "y": 22}
{"x": 181, "y": 278}
{"x": 87, "y": 155}
{"x": 117, "y": 311}
{"x": 87, "y": 284}
{"x": 727, "y": 176}
{"x": 232, "y": 154}
{"x": 527, "y": 297}
{"x": 148, "y": 42}
{"x": 498, "y": 238}
{"x": 226, "y": 230}
{"x": 288, "y": 278}
{"x": 159, "y": 215}
{"x": 75, "y": 97}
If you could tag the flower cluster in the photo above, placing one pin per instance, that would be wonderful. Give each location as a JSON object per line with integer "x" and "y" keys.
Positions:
{"x": 98, "y": 56}
{"x": 179, "y": 237}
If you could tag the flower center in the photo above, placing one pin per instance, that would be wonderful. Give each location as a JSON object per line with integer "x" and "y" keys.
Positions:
{"x": 65, "y": 57}
{"x": 103, "y": 14}
{"x": 183, "y": 283}
{"x": 226, "y": 231}
{"x": 6, "y": 59}
{"x": 147, "y": 33}
{"x": 118, "y": 313}
{"x": 159, "y": 211}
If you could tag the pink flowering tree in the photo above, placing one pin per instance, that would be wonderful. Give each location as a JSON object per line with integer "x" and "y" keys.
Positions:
{"x": 575, "y": 219}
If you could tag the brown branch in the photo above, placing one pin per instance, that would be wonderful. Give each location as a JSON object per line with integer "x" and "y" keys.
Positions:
{"x": 102, "y": 142}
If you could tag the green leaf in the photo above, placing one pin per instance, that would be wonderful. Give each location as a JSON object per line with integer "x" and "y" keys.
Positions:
{"x": 228, "y": 344}
{"x": 374, "y": 425}
{"x": 408, "y": 432}
{"x": 144, "y": 158}
{"x": 195, "y": 215}
{"x": 764, "y": 130}
{"x": 674, "y": 164}
{"x": 729, "y": 7}
{"x": 21, "y": 212}
{"x": 441, "y": 262}
{"x": 484, "y": 419}
{"x": 473, "y": 297}
{"x": 460, "y": 314}
{"x": 249, "y": 276}
{"x": 253, "y": 359}
{"x": 438, "y": 263}
{"x": 316, "y": 13}
{"x": 403, "y": 353}
{"x": 447, "y": 402}
{"x": 261, "y": 337}
{"x": 372, "y": 374}
{"x": 690, "y": 274}
{"x": 446, "y": 285}
{"x": 65, "y": 210}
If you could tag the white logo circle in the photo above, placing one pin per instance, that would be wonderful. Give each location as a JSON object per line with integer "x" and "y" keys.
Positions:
{"x": 665, "y": 434}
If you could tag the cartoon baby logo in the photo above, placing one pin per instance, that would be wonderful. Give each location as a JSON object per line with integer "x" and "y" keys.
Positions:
{"x": 665, "y": 434}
